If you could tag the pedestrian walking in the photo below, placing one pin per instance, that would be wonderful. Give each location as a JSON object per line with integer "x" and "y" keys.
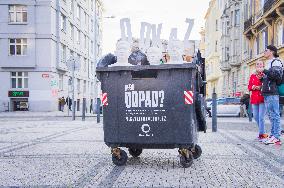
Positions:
{"x": 245, "y": 103}
{"x": 62, "y": 103}
{"x": 270, "y": 81}
{"x": 257, "y": 100}
{"x": 91, "y": 106}
{"x": 68, "y": 101}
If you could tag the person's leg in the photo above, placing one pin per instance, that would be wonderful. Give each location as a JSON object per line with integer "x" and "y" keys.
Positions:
{"x": 255, "y": 109}
{"x": 276, "y": 130}
{"x": 268, "y": 107}
{"x": 275, "y": 119}
{"x": 261, "y": 114}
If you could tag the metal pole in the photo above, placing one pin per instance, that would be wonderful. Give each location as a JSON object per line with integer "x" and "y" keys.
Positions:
{"x": 250, "y": 113}
{"x": 84, "y": 110}
{"x": 68, "y": 98}
{"x": 98, "y": 110}
{"x": 73, "y": 92}
{"x": 214, "y": 111}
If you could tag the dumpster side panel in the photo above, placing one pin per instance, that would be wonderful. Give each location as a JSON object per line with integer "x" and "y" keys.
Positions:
{"x": 149, "y": 112}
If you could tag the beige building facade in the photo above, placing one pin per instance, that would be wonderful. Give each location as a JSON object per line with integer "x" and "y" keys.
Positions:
{"x": 212, "y": 49}
{"x": 263, "y": 25}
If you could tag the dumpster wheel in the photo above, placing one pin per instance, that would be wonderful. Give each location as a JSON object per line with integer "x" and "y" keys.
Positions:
{"x": 135, "y": 152}
{"x": 196, "y": 151}
{"x": 119, "y": 156}
{"x": 186, "y": 158}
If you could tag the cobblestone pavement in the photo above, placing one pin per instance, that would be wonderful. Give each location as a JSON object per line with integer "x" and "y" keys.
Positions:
{"x": 48, "y": 152}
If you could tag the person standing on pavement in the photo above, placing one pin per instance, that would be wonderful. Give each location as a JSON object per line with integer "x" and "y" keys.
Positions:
{"x": 270, "y": 81}
{"x": 257, "y": 100}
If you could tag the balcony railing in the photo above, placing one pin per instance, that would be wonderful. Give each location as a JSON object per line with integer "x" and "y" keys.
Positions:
{"x": 248, "y": 23}
{"x": 267, "y": 5}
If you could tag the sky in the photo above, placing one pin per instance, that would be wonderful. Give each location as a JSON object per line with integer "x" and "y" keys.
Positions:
{"x": 171, "y": 13}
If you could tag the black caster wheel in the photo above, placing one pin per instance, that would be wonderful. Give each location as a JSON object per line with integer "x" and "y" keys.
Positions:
{"x": 135, "y": 152}
{"x": 186, "y": 162}
{"x": 120, "y": 160}
{"x": 197, "y": 152}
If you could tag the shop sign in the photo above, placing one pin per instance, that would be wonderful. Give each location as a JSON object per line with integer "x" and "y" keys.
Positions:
{"x": 18, "y": 94}
{"x": 45, "y": 75}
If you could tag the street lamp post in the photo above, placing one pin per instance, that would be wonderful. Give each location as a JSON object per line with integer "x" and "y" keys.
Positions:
{"x": 73, "y": 65}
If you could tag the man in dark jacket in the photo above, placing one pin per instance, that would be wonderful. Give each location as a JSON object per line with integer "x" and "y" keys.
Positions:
{"x": 273, "y": 76}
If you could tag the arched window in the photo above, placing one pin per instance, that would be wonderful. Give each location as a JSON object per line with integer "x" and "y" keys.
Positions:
{"x": 279, "y": 33}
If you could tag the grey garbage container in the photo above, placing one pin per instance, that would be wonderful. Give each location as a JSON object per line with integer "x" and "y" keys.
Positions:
{"x": 150, "y": 107}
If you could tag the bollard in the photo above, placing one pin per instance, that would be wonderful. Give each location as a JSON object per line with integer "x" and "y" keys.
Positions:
{"x": 84, "y": 110}
{"x": 74, "y": 110}
{"x": 98, "y": 110}
{"x": 250, "y": 113}
{"x": 214, "y": 111}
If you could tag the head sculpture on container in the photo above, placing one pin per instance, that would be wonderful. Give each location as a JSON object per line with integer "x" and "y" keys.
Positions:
{"x": 122, "y": 52}
{"x": 154, "y": 55}
{"x": 175, "y": 50}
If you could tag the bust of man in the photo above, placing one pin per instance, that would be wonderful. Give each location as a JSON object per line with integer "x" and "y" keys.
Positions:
{"x": 122, "y": 53}
{"x": 175, "y": 50}
{"x": 154, "y": 55}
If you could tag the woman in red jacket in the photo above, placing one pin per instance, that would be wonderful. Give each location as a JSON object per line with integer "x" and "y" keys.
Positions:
{"x": 257, "y": 99}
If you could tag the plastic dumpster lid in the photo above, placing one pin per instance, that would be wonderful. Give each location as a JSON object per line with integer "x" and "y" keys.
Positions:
{"x": 147, "y": 67}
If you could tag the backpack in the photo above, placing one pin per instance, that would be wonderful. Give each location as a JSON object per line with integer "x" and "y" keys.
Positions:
{"x": 280, "y": 83}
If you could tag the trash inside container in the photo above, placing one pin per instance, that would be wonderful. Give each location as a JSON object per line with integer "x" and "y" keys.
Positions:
{"x": 150, "y": 107}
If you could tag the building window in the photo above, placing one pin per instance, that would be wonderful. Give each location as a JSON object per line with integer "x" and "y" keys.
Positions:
{"x": 17, "y": 47}
{"x": 85, "y": 65}
{"x": 216, "y": 25}
{"x": 78, "y": 12}
{"x": 63, "y": 53}
{"x": 77, "y": 36}
{"x": 92, "y": 25}
{"x": 72, "y": 6}
{"x": 85, "y": 41}
{"x": 85, "y": 87}
{"x": 63, "y": 22}
{"x": 227, "y": 57}
{"x": 92, "y": 4}
{"x": 237, "y": 17}
{"x": 92, "y": 67}
{"x": 78, "y": 86}
{"x": 86, "y": 19}
{"x": 232, "y": 17}
{"x": 60, "y": 82}
{"x": 92, "y": 47}
{"x": 18, "y": 14}
{"x": 72, "y": 31}
{"x": 216, "y": 46}
{"x": 19, "y": 80}
{"x": 279, "y": 33}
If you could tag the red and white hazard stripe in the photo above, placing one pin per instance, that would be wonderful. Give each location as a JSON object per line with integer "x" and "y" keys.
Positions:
{"x": 188, "y": 97}
{"x": 104, "y": 99}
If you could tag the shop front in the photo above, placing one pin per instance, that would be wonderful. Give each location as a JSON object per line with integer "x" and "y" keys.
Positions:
{"x": 19, "y": 100}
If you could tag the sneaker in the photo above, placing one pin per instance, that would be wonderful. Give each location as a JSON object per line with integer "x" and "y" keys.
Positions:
{"x": 266, "y": 139}
{"x": 273, "y": 141}
{"x": 282, "y": 132}
{"x": 262, "y": 137}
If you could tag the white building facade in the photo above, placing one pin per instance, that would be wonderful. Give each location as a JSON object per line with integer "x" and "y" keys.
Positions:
{"x": 231, "y": 45}
{"x": 36, "y": 40}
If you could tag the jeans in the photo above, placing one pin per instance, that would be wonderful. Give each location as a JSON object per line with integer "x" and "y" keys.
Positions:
{"x": 258, "y": 115}
{"x": 272, "y": 108}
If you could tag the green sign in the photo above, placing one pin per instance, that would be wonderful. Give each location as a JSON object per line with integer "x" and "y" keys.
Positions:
{"x": 18, "y": 94}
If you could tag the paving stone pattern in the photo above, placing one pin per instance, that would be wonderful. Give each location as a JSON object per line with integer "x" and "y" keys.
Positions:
{"x": 57, "y": 152}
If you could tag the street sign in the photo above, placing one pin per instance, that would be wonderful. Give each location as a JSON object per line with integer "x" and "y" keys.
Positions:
{"x": 73, "y": 63}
